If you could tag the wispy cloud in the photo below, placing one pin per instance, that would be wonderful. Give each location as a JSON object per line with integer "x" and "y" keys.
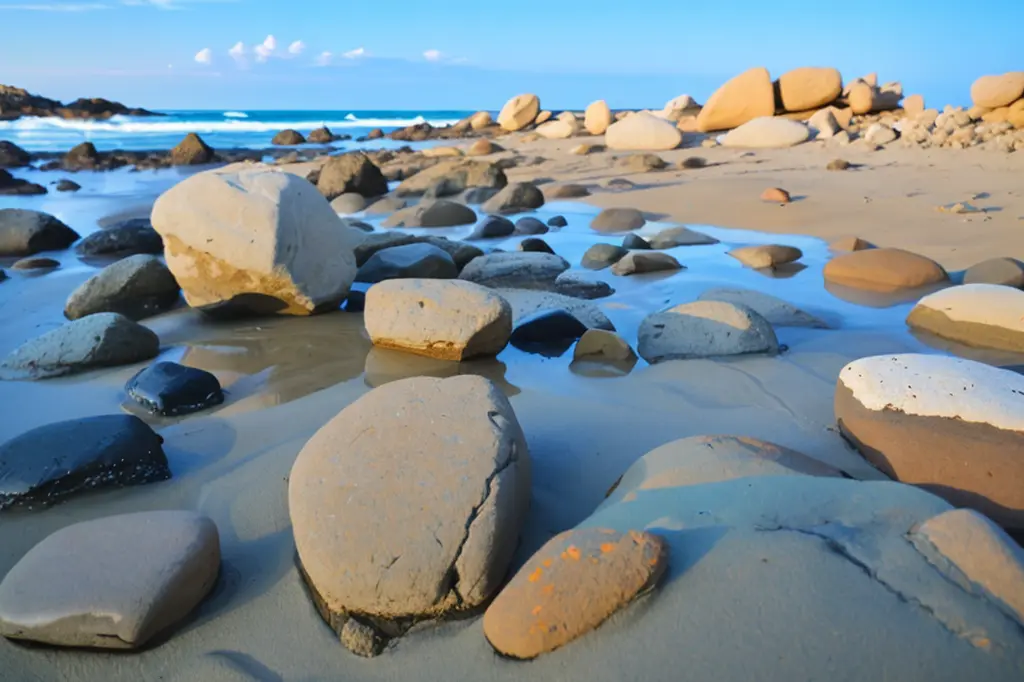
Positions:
{"x": 298, "y": 47}
{"x": 204, "y": 56}
{"x": 238, "y": 53}
{"x": 324, "y": 58}
{"x": 265, "y": 49}
{"x": 355, "y": 54}
{"x": 432, "y": 55}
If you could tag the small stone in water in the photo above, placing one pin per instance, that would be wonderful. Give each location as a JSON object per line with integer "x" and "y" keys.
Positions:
{"x": 170, "y": 389}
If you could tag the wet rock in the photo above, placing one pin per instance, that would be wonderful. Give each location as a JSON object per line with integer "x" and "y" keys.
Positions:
{"x": 417, "y": 260}
{"x": 766, "y": 255}
{"x": 170, "y": 389}
{"x": 767, "y": 132}
{"x": 747, "y": 96}
{"x": 515, "y": 198}
{"x": 137, "y": 287}
{"x": 775, "y": 195}
{"x": 351, "y": 173}
{"x": 548, "y": 332}
{"x": 883, "y": 270}
{"x": 571, "y": 585}
{"x": 492, "y": 227}
{"x": 526, "y": 303}
{"x": 35, "y": 263}
{"x": 478, "y": 195}
{"x": 949, "y": 425}
{"x": 641, "y": 262}
{"x": 348, "y": 203}
{"x": 809, "y": 88}
{"x": 448, "y": 320}
{"x": 778, "y": 312}
{"x": 1005, "y": 271}
{"x": 82, "y": 156}
{"x": 838, "y": 165}
{"x": 461, "y": 252}
{"x": 618, "y": 220}
{"x": 642, "y": 132}
{"x": 557, "y": 221}
{"x": 515, "y": 269}
{"x": 432, "y": 213}
{"x": 565, "y": 191}
{"x": 111, "y": 451}
{"x": 362, "y": 639}
{"x": 126, "y": 238}
{"x": 294, "y": 256}
{"x": 192, "y": 151}
{"x": 578, "y": 286}
{"x": 65, "y": 185}
{"x": 12, "y": 186}
{"x": 705, "y": 329}
{"x": 597, "y": 117}
{"x": 288, "y": 138}
{"x": 672, "y": 237}
{"x": 519, "y": 112}
{"x": 448, "y": 546}
{"x": 101, "y": 340}
{"x": 321, "y": 135}
{"x": 850, "y": 244}
{"x": 13, "y": 156}
{"x": 24, "y": 232}
{"x": 111, "y": 583}
{"x": 979, "y": 315}
{"x": 601, "y": 256}
{"x": 535, "y": 245}
{"x": 642, "y": 163}
{"x": 530, "y": 225}
{"x": 458, "y": 174}
{"x": 386, "y": 205}
{"x": 599, "y": 345}
{"x": 635, "y": 242}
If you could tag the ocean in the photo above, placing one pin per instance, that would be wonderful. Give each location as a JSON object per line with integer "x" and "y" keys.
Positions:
{"x": 220, "y": 129}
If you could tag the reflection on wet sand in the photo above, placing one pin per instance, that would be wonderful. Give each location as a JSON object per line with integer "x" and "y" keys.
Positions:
{"x": 384, "y": 366}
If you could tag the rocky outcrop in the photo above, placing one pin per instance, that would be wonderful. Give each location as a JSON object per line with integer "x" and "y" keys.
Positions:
{"x": 457, "y": 175}
{"x": 16, "y": 102}
{"x": 192, "y": 151}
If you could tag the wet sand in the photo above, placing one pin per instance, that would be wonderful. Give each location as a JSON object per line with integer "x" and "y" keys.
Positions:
{"x": 284, "y": 378}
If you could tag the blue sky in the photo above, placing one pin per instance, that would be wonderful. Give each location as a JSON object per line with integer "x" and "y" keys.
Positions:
{"x": 419, "y": 54}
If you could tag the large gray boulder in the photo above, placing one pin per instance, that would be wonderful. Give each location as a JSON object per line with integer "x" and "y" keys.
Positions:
{"x": 24, "y": 232}
{"x": 515, "y": 269}
{"x": 705, "y": 329}
{"x": 408, "y": 261}
{"x": 515, "y": 198}
{"x": 352, "y": 172}
{"x": 136, "y": 287}
{"x": 779, "y": 313}
{"x": 124, "y": 239}
{"x": 432, "y": 213}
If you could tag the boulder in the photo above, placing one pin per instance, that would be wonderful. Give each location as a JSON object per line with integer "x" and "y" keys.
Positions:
{"x": 447, "y": 547}
{"x": 480, "y": 120}
{"x": 348, "y": 203}
{"x": 137, "y": 287}
{"x": 844, "y": 244}
{"x": 100, "y": 340}
{"x": 542, "y": 117}
{"x": 192, "y": 151}
{"x": 617, "y": 220}
{"x": 515, "y": 269}
{"x": 483, "y": 147}
{"x": 351, "y": 172}
{"x": 525, "y": 304}
{"x": 493, "y": 227}
{"x": 571, "y": 585}
{"x": 421, "y": 260}
{"x": 24, "y": 232}
{"x": 519, "y": 112}
{"x": 865, "y": 99}
{"x": 672, "y": 237}
{"x": 998, "y": 91}
{"x": 883, "y": 270}
{"x": 432, "y": 213}
{"x": 515, "y": 198}
{"x": 548, "y": 332}
{"x": 578, "y": 285}
{"x": 321, "y": 135}
{"x": 642, "y": 132}
{"x": 478, "y": 195}
{"x": 445, "y": 319}
{"x": 705, "y": 329}
{"x": 600, "y": 256}
{"x": 34, "y": 263}
{"x": 880, "y": 134}
{"x": 1006, "y": 271}
{"x": 83, "y": 156}
{"x": 979, "y": 315}
{"x": 748, "y": 96}
{"x": 776, "y": 195}
{"x": 557, "y": 222}
{"x": 635, "y": 242}
{"x": 767, "y": 132}
{"x": 597, "y": 117}
{"x": 824, "y": 124}
{"x": 13, "y": 156}
{"x": 913, "y": 105}
{"x": 458, "y": 175}
{"x": 565, "y": 191}
{"x": 535, "y": 245}
{"x": 288, "y": 138}
{"x": 126, "y": 238}
{"x": 779, "y": 313}
{"x": 642, "y": 262}
{"x": 113, "y": 582}
{"x": 949, "y": 425}
{"x": 12, "y": 186}
{"x": 838, "y": 164}
{"x": 599, "y": 345}
{"x": 110, "y": 451}
{"x": 809, "y": 88}
{"x": 169, "y": 389}
{"x": 461, "y": 252}
{"x": 557, "y": 129}
{"x": 385, "y": 205}
{"x": 677, "y": 106}
{"x": 530, "y": 225}
{"x": 766, "y": 255}
{"x": 437, "y": 152}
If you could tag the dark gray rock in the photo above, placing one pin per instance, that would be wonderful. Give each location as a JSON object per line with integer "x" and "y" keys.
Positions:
{"x": 601, "y": 256}
{"x": 530, "y": 225}
{"x": 12, "y": 186}
{"x": 111, "y": 451}
{"x": 436, "y": 213}
{"x": 535, "y": 245}
{"x": 515, "y": 198}
{"x": 137, "y": 287}
{"x": 705, "y": 329}
{"x": 557, "y": 221}
{"x": 356, "y": 301}
{"x": 170, "y": 389}
{"x": 35, "y": 263}
{"x": 635, "y": 242}
{"x": 641, "y": 262}
{"x": 679, "y": 236}
{"x": 126, "y": 238}
{"x": 548, "y": 332}
{"x": 65, "y": 185}
{"x": 24, "y": 232}
{"x": 288, "y": 138}
{"x": 13, "y": 156}
{"x": 618, "y": 220}
{"x": 417, "y": 260}
{"x": 515, "y": 270}
{"x": 478, "y": 195}
{"x": 574, "y": 284}
{"x": 693, "y": 162}
{"x": 492, "y": 227}
{"x": 352, "y": 172}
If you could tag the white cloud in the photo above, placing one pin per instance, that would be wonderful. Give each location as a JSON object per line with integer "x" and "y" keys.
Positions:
{"x": 266, "y": 49}
{"x": 432, "y": 55}
{"x": 324, "y": 59}
{"x": 238, "y": 53}
{"x": 205, "y": 56}
{"x": 298, "y": 47}
{"x": 355, "y": 54}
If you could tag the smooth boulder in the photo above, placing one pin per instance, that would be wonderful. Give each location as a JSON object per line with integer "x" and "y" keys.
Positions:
{"x": 617, "y": 220}
{"x": 351, "y": 173}
{"x": 457, "y": 175}
{"x": 192, "y": 151}
{"x": 993, "y": 92}
{"x": 671, "y": 237}
{"x": 705, "y": 329}
{"x": 809, "y": 88}
{"x": 169, "y": 389}
{"x": 515, "y": 198}
{"x": 288, "y": 138}
{"x": 767, "y": 133}
{"x": 418, "y": 260}
{"x": 519, "y": 112}
{"x": 766, "y": 255}
{"x": 24, "y": 232}
{"x": 745, "y": 97}
{"x": 1006, "y": 271}
{"x": 597, "y": 117}
{"x": 137, "y": 287}
{"x": 883, "y": 270}
{"x": 601, "y": 256}
{"x": 126, "y": 238}
{"x": 548, "y": 332}
{"x": 642, "y": 132}
{"x": 778, "y": 312}
{"x": 432, "y": 213}
{"x": 641, "y": 262}
{"x": 979, "y": 315}
{"x": 524, "y": 270}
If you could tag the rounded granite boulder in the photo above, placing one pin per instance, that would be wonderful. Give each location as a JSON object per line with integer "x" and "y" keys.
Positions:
{"x": 980, "y": 315}
{"x": 743, "y": 98}
{"x": 519, "y": 112}
{"x": 705, "y": 329}
{"x": 884, "y": 270}
{"x": 809, "y": 88}
{"x": 643, "y": 132}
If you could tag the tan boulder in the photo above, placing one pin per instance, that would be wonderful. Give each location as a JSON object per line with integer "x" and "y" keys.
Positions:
{"x": 766, "y": 255}
{"x": 519, "y": 112}
{"x": 480, "y": 120}
{"x": 883, "y": 270}
{"x": 643, "y": 132}
{"x": 865, "y": 99}
{"x": 998, "y": 91}
{"x": 687, "y": 124}
{"x": 1016, "y": 114}
{"x": 483, "y": 147}
{"x": 441, "y": 152}
{"x": 542, "y": 117}
{"x": 824, "y": 123}
{"x": 996, "y": 115}
{"x": 557, "y": 129}
{"x": 980, "y": 315}
{"x": 850, "y": 244}
{"x": 809, "y": 88}
{"x": 913, "y": 105}
{"x": 745, "y": 97}
{"x": 597, "y": 117}
{"x": 767, "y": 132}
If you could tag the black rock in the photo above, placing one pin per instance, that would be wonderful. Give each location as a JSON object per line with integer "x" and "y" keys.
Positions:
{"x": 601, "y": 256}
{"x": 170, "y": 389}
{"x": 530, "y": 225}
{"x": 549, "y": 333}
{"x": 52, "y": 462}
{"x": 13, "y": 156}
{"x": 558, "y": 221}
{"x": 124, "y": 239}
{"x": 635, "y": 242}
{"x": 66, "y": 185}
{"x": 418, "y": 260}
{"x": 10, "y": 185}
{"x": 478, "y": 195}
{"x": 356, "y": 301}
{"x": 492, "y": 227}
{"x": 536, "y": 245}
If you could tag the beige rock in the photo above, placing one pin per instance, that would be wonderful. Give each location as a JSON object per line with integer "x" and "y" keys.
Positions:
{"x": 704, "y": 329}
{"x": 542, "y": 117}
{"x": 687, "y": 124}
{"x": 809, "y": 88}
{"x": 996, "y": 115}
{"x": 777, "y": 312}
{"x": 883, "y": 270}
{"x": 438, "y": 152}
{"x": 675, "y": 106}
{"x": 480, "y": 120}
{"x": 483, "y": 147}
{"x": 597, "y": 117}
{"x": 824, "y": 123}
{"x": 981, "y": 315}
{"x": 913, "y": 105}
{"x": 769, "y": 132}
{"x": 583, "y": 149}
{"x": 766, "y": 256}
{"x": 643, "y": 132}
{"x": 748, "y": 96}
{"x": 557, "y": 129}
{"x": 1015, "y": 116}
{"x": 261, "y": 240}
{"x": 775, "y": 195}
{"x": 865, "y": 99}
{"x": 998, "y": 91}
{"x": 519, "y": 112}
{"x": 850, "y": 244}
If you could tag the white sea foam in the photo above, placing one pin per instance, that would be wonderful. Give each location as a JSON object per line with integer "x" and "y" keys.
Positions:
{"x": 235, "y": 114}
{"x": 127, "y": 124}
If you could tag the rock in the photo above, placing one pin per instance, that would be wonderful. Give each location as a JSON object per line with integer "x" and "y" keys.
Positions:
{"x": 542, "y": 117}
{"x": 1006, "y": 271}
{"x": 24, "y": 232}
{"x": 192, "y": 151}
{"x": 880, "y": 134}
{"x": 321, "y": 135}
{"x": 386, "y": 205}
{"x": 883, "y": 270}
{"x": 13, "y": 156}
{"x": 979, "y": 315}
{"x": 82, "y": 156}
{"x": 748, "y": 96}
{"x": 515, "y": 269}
{"x": 642, "y": 262}
{"x": 126, "y": 238}
{"x": 458, "y": 175}
{"x": 420, "y": 260}
{"x": 288, "y": 138}
{"x": 375, "y": 134}
{"x": 101, "y": 340}
{"x": 515, "y": 198}
{"x": 574, "y": 284}
{"x": 850, "y": 244}
{"x": 672, "y": 237}
{"x": 598, "y": 345}
{"x": 483, "y": 147}
{"x": 12, "y": 186}
{"x": 566, "y": 191}
{"x": 557, "y": 129}
{"x": 350, "y": 202}
{"x": 519, "y": 112}
{"x": 643, "y": 132}
{"x": 838, "y": 165}
{"x": 356, "y": 224}
{"x": 478, "y": 195}
{"x": 353, "y": 172}
{"x": 447, "y": 547}
{"x": 111, "y": 451}
{"x": 809, "y": 88}
{"x": 998, "y": 91}
{"x": 294, "y": 255}
{"x": 461, "y": 252}
{"x": 356, "y": 302}
{"x": 767, "y": 132}
{"x": 34, "y": 263}
{"x": 705, "y": 329}
{"x": 137, "y": 287}
{"x": 530, "y": 225}
{"x": 437, "y": 152}
{"x": 824, "y": 124}
{"x": 913, "y": 105}
{"x": 480, "y": 120}
{"x": 766, "y": 255}
{"x": 865, "y": 99}
{"x": 601, "y": 256}
{"x": 548, "y": 332}
{"x": 779, "y": 313}
{"x": 642, "y": 163}
{"x": 635, "y": 242}
{"x": 570, "y": 586}
{"x": 525, "y": 303}
{"x": 949, "y": 425}
{"x": 492, "y": 227}
{"x": 432, "y": 213}
{"x": 361, "y": 639}
{"x": 776, "y": 195}
{"x": 449, "y": 320}
{"x": 557, "y": 222}
{"x": 617, "y": 220}
{"x": 981, "y": 552}
{"x": 169, "y": 389}
{"x": 535, "y": 245}
{"x": 597, "y": 117}
{"x": 113, "y": 582}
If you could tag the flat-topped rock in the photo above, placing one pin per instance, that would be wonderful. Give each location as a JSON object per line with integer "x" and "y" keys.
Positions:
{"x": 457, "y": 175}
{"x": 642, "y": 262}
{"x": 778, "y": 312}
{"x": 981, "y": 315}
{"x": 137, "y": 287}
{"x": 809, "y": 88}
{"x": 515, "y": 269}
{"x": 766, "y": 255}
{"x": 767, "y": 132}
{"x": 420, "y": 260}
{"x": 642, "y": 132}
{"x": 705, "y": 329}
{"x": 743, "y": 98}
{"x": 952, "y": 426}
{"x": 884, "y": 270}
{"x": 671, "y": 237}
{"x": 24, "y": 232}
